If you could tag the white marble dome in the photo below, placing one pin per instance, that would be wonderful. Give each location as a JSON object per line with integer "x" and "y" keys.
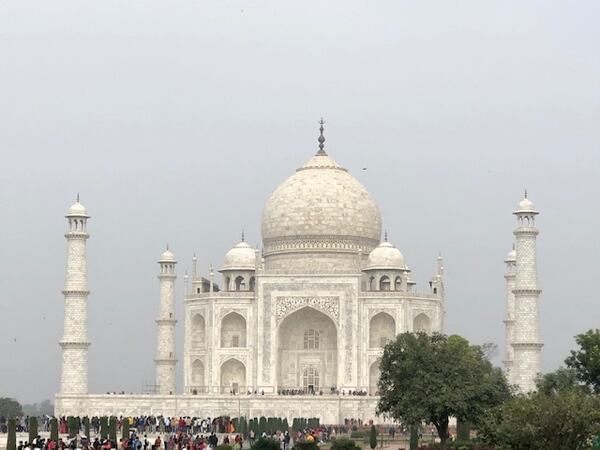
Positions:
{"x": 241, "y": 257}
{"x": 525, "y": 205}
{"x": 385, "y": 256}
{"x": 321, "y": 207}
{"x": 511, "y": 256}
{"x": 77, "y": 209}
{"x": 167, "y": 256}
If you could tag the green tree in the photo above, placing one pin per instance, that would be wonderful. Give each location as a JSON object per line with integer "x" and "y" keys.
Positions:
{"x": 586, "y": 360}
{"x": 9, "y": 407}
{"x": 33, "y": 428}
{"x": 562, "y": 421}
{"x": 11, "y": 438}
{"x": 562, "y": 379}
{"x": 54, "y": 429}
{"x": 430, "y": 378}
{"x": 373, "y": 437}
{"x": 285, "y": 425}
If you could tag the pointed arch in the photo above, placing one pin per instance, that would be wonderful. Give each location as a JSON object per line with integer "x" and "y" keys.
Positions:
{"x": 384, "y": 283}
{"x": 422, "y": 323}
{"x": 233, "y": 376}
{"x": 382, "y": 329}
{"x": 374, "y": 374}
{"x": 198, "y": 374}
{"x": 233, "y": 331}
{"x": 198, "y": 331}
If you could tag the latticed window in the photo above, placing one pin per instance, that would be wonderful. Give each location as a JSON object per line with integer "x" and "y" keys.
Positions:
{"x": 310, "y": 379}
{"x": 311, "y": 339}
{"x": 235, "y": 340}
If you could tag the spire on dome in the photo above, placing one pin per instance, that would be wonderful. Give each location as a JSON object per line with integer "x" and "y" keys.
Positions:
{"x": 243, "y": 237}
{"x": 78, "y": 197}
{"x": 385, "y": 236}
{"x": 321, "y": 152}
{"x": 525, "y": 192}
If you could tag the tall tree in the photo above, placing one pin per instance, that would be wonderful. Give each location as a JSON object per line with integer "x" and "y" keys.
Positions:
{"x": 430, "y": 378}
{"x": 9, "y": 407}
{"x": 586, "y": 360}
{"x": 566, "y": 420}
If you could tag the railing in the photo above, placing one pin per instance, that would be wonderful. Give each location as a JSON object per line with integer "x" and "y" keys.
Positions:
{"x": 401, "y": 294}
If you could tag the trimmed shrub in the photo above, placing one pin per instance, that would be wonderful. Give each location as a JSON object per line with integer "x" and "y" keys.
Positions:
{"x": 11, "y": 439}
{"x": 72, "y": 426}
{"x": 343, "y": 443}
{"x": 306, "y": 445}
{"x": 262, "y": 425}
{"x": 224, "y": 447}
{"x": 54, "y": 429}
{"x": 33, "y": 428}
{"x": 358, "y": 434}
{"x": 104, "y": 427}
{"x": 266, "y": 444}
{"x": 373, "y": 437}
{"x": 285, "y": 425}
{"x": 112, "y": 429}
{"x": 125, "y": 428}
{"x": 86, "y": 427}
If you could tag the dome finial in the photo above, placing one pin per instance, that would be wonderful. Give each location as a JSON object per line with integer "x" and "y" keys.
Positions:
{"x": 525, "y": 192}
{"x": 78, "y": 197}
{"x": 243, "y": 239}
{"x": 385, "y": 236}
{"x": 321, "y": 139}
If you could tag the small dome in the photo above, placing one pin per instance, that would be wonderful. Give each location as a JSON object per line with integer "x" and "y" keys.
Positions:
{"x": 240, "y": 257}
{"x": 525, "y": 205}
{"x": 167, "y": 256}
{"x": 77, "y": 209}
{"x": 385, "y": 256}
{"x": 512, "y": 256}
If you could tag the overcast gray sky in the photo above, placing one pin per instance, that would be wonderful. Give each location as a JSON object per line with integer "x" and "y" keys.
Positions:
{"x": 176, "y": 120}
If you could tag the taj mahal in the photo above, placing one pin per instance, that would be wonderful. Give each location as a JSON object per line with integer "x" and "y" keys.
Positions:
{"x": 297, "y": 327}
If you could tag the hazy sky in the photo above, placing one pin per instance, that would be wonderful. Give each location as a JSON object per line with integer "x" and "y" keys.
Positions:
{"x": 176, "y": 120}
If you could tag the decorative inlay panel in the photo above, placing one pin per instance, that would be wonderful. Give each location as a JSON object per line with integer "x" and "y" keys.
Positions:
{"x": 287, "y": 305}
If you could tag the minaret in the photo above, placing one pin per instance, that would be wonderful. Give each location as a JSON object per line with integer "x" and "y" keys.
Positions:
{"x": 509, "y": 321}
{"x": 165, "y": 346}
{"x": 527, "y": 344}
{"x": 74, "y": 343}
{"x": 437, "y": 287}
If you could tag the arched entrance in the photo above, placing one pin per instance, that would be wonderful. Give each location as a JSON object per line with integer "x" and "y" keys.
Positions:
{"x": 307, "y": 352}
{"x": 422, "y": 324}
{"x": 233, "y": 377}
{"x": 198, "y": 375}
{"x": 374, "y": 374}
{"x": 382, "y": 329}
{"x": 233, "y": 331}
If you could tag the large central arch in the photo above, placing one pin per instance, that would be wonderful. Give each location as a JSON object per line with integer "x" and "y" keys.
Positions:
{"x": 307, "y": 351}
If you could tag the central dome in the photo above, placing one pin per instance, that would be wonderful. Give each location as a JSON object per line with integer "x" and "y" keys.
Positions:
{"x": 320, "y": 209}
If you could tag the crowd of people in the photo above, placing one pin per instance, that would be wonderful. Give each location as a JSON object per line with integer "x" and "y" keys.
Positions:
{"x": 164, "y": 433}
